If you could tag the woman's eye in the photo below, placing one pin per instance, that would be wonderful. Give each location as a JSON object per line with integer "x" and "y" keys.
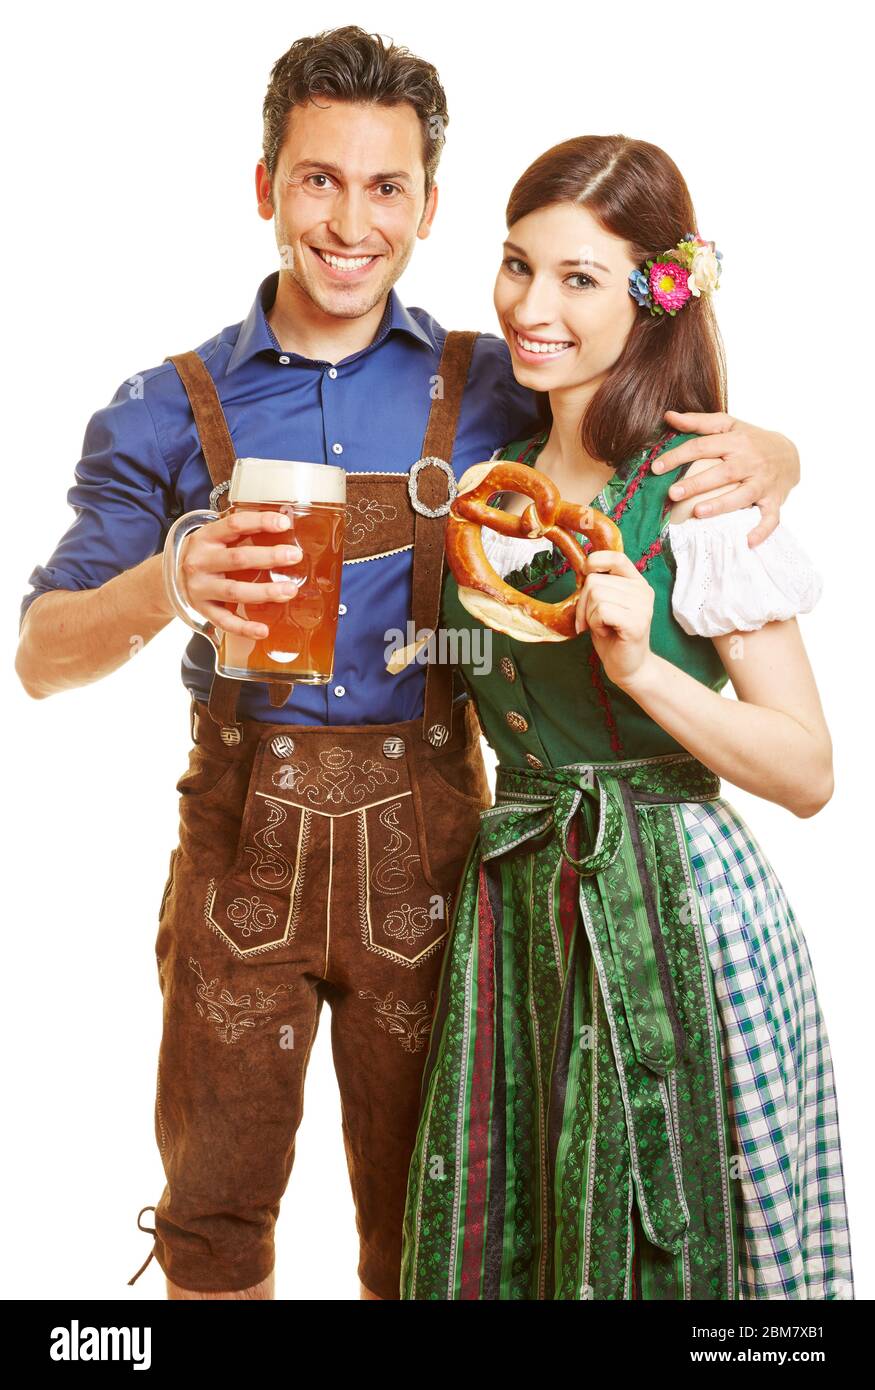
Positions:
{"x": 579, "y": 275}
{"x": 515, "y": 265}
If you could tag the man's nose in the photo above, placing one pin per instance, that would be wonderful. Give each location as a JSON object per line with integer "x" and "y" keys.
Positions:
{"x": 350, "y": 221}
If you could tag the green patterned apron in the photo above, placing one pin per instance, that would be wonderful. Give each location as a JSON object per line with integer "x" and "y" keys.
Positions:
{"x": 573, "y": 1141}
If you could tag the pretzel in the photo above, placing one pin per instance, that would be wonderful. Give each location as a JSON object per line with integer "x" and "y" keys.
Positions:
{"x": 482, "y": 592}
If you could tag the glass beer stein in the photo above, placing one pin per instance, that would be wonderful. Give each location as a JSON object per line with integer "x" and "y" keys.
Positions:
{"x": 299, "y": 645}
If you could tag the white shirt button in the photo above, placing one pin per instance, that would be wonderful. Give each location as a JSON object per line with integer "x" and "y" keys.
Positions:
{"x": 332, "y": 372}
{"x": 337, "y": 448}
{"x": 342, "y": 609}
{"x": 285, "y": 361}
{"x": 340, "y": 690}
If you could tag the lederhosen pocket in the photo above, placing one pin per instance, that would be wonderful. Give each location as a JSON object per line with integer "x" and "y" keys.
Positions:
{"x": 254, "y": 905}
{"x": 401, "y": 915}
{"x": 448, "y": 789}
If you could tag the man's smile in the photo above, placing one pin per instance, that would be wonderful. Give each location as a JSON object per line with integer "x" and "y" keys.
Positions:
{"x": 341, "y": 266}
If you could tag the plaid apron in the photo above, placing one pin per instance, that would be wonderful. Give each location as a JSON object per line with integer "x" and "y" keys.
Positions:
{"x": 787, "y": 1154}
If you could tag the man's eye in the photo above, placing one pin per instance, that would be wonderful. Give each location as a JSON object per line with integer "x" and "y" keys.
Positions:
{"x": 325, "y": 184}
{"x": 387, "y": 189}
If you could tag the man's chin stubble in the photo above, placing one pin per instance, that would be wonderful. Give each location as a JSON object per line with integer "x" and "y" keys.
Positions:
{"x": 343, "y": 307}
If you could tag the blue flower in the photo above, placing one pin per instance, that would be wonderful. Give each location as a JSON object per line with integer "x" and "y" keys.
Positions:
{"x": 639, "y": 287}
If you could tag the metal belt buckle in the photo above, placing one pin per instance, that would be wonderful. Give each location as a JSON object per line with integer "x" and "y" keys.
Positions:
{"x": 413, "y": 486}
{"x": 216, "y": 494}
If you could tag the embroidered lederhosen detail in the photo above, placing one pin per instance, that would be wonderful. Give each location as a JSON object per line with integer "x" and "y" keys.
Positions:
{"x": 379, "y": 521}
{"x": 408, "y": 1024}
{"x": 233, "y": 1016}
{"x": 413, "y": 927}
{"x": 365, "y": 796}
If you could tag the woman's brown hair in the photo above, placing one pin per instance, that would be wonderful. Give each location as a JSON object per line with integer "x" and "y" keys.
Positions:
{"x": 669, "y": 363}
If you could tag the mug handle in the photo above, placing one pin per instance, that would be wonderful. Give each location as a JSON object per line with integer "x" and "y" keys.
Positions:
{"x": 182, "y": 527}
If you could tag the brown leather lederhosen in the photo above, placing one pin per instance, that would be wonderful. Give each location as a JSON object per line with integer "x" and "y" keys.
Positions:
{"x": 314, "y": 862}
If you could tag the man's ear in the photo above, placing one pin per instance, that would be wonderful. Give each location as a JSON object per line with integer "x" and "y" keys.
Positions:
{"x": 263, "y": 191}
{"x": 428, "y": 213}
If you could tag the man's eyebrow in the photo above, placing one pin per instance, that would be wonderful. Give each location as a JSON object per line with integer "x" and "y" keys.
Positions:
{"x": 511, "y": 246}
{"x": 323, "y": 165}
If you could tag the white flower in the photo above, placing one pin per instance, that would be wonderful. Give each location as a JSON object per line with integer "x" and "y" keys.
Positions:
{"x": 704, "y": 272}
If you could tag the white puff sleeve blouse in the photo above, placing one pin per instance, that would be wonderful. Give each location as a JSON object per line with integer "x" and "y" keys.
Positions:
{"x": 724, "y": 585}
{"x": 721, "y": 584}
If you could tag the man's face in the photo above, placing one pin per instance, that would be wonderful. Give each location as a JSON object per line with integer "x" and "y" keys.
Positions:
{"x": 348, "y": 201}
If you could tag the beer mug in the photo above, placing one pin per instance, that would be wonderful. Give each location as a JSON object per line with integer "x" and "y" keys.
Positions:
{"x": 300, "y": 643}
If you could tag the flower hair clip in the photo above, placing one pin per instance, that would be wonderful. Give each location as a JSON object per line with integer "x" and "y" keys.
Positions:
{"x": 684, "y": 272}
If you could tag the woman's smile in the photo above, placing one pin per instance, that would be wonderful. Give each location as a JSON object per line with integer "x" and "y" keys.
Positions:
{"x": 529, "y": 347}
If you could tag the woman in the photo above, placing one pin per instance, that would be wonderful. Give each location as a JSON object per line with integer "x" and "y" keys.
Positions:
{"x": 629, "y": 1090}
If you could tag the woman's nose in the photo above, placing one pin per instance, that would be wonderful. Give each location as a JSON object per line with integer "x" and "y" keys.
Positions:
{"x": 536, "y": 307}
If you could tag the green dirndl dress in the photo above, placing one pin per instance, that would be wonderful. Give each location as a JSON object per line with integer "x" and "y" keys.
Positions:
{"x": 610, "y": 1108}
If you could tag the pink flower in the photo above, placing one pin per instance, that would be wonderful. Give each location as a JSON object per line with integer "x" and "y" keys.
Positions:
{"x": 668, "y": 285}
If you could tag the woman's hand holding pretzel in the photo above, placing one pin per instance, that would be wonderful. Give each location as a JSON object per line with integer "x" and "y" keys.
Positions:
{"x": 481, "y": 590}
{"x": 616, "y": 605}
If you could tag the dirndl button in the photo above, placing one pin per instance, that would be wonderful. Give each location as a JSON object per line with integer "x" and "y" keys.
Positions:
{"x": 282, "y": 745}
{"x": 517, "y": 721}
{"x": 507, "y": 668}
{"x": 534, "y": 762}
{"x": 393, "y": 748}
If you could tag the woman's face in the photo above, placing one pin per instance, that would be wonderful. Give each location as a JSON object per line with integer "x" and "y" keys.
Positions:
{"x": 562, "y": 298}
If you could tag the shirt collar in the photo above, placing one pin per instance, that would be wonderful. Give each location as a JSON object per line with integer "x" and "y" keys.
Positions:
{"x": 256, "y": 335}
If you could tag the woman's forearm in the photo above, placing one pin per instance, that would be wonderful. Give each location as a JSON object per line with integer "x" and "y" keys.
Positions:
{"x": 71, "y": 638}
{"x": 764, "y": 751}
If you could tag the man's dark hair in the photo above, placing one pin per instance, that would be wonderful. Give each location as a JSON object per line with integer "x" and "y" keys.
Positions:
{"x": 350, "y": 65}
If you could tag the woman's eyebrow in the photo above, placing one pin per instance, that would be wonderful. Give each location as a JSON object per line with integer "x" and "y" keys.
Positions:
{"x": 596, "y": 265}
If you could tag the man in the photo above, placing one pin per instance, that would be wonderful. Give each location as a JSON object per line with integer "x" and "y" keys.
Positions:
{"x": 351, "y": 806}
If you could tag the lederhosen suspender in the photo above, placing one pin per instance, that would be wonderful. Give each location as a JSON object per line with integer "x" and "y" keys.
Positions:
{"x": 385, "y": 513}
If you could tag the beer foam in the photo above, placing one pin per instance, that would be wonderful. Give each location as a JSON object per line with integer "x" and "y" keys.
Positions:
{"x": 286, "y": 480}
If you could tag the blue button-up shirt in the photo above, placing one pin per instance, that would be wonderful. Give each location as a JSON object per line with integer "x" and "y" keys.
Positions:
{"x": 142, "y": 467}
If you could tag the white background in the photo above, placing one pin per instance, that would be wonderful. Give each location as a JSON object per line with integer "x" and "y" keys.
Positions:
{"x": 132, "y": 133}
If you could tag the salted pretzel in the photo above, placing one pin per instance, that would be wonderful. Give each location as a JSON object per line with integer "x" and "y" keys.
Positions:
{"x": 482, "y": 592}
